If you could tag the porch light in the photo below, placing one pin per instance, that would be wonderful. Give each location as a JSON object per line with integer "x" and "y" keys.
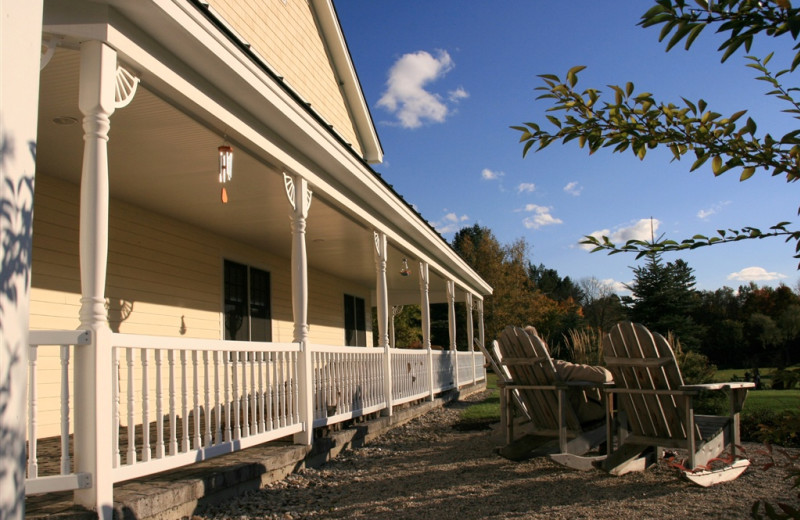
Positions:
{"x": 405, "y": 271}
{"x": 225, "y": 168}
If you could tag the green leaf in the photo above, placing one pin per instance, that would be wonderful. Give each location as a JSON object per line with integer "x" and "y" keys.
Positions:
{"x": 716, "y": 165}
{"x": 747, "y": 173}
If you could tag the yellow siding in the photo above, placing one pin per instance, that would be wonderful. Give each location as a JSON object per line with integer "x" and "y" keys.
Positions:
{"x": 164, "y": 278}
{"x": 286, "y": 35}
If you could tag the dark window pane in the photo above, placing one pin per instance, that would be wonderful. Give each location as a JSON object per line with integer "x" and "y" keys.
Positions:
{"x": 260, "y": 315}
{"x": 349, "y": 320}
{"x": 236, "y": 320}
{"x": 355, "y": 328}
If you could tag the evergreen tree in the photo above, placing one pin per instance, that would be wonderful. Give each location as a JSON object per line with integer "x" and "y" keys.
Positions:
{"x": 664, "y": 298}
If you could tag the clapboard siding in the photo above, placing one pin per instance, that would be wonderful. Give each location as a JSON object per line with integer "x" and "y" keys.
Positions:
{"x": 286, "y": 35}
{"x": 164, "y": 279}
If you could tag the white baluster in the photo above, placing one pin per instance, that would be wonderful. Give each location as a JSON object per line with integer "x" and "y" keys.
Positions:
{"x": 283, "y": 389}
{"x": 184, "y": 405}
{"x": 296, "y": 389}
{"x": 253, "y": 395}
{"x": 261, "y": 404}
{"x": 237, "y": 427}
{"x": 225, "y": 361}
{"x": 131, "y": 458}
{"x": 196, "y": 401}
{"x": 115, "y": 408}
{"x": 217, "y": 400}
{"x": 33, "y": 463}
{"x": 270, "y": 392}
{"x": 245, "y": 401}
{"x": 145, "y": 409}
{"x": 65, "y": 462}
{"x": 159, "y": 408}
{"x": 173, "y": 427}
{"x": 207, "y": 392}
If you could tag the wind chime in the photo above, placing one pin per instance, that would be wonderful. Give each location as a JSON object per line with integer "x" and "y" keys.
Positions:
{"x": 405, "y": 271}
{"x": 225, "y": 168}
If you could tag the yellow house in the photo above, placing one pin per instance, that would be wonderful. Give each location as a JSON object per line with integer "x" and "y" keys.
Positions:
{"x": 209, "y": 240}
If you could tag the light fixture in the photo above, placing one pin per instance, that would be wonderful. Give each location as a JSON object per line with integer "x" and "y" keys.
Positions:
{"x": 225, "y": 168}
{"x": 405, "y": 271}
{"x": 65, "y": 120}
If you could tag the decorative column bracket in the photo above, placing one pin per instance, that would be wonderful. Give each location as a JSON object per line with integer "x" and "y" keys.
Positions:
{"x": 288, "y": 184}
{"x": 49, "y": 46}
{"x": 125, "y": 87}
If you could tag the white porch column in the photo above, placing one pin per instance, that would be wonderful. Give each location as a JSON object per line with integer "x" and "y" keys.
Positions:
{"x": 481, "y": 331}
{"x": 451, "y": 322}
{"x": 300, "y": 199}
{"x": 20, "y": 51}
{"x": 425, "y": 308}
{"x": 93, "y": 362}
{"x": 382, "y": 306}
{"x": 470, "y": 333}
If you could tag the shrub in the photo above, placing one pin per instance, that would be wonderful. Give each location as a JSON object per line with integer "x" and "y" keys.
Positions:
{"x": 768, "y": 426}
{"x": 785, "y": 379}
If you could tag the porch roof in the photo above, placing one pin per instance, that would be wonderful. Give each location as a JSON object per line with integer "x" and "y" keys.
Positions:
{"x": 199, "y": 87}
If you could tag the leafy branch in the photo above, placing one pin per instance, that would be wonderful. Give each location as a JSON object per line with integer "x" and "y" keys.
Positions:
{"x": 644, "y": 247}
{"x": 637, "y": 122}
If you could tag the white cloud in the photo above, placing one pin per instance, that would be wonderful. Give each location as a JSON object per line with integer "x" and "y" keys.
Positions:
{"x": 573, "y": 188}
{"x": 526, "y": 187}
{"x": 705, "y": 213}
{"x": 457, "y": 95}
{"x": 755, "y": 274}
{"x": 406, "y": 96}
{"x": 616, "y": 286}
{"x": 644, "y": 229}
{"x": 541, "y": 217}
{"x": 449, "y": 223}
{"x": 490, "y": 175}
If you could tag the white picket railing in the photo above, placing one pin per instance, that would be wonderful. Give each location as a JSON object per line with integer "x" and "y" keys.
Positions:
{"x": 177, "y": 401}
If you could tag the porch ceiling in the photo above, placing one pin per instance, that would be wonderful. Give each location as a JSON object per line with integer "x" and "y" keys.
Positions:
{"x": 165, "y": 161}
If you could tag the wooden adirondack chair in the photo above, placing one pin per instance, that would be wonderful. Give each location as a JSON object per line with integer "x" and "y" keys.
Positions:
{"x": 659, "y": 408}
{"x": 535, "y": 383}
{"x": 493, "y": 356}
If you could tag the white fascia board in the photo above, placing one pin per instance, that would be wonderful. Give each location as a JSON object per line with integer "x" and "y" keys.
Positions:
{"x": 337, "y": 46}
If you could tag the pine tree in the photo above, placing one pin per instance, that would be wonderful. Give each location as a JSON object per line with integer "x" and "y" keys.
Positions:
{"x": 664, "y": 298}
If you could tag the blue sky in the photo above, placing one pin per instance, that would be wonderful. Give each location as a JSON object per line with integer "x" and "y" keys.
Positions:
{"x": 445, "y": 80}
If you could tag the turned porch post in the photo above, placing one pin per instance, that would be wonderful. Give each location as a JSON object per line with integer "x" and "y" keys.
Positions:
{"x": 425, "y": 307}
{"x": 470, "y": 334}
{"x": 451, "y": 322}
{"x": 382, "y": 306}
{"x": 300, "y": 199}
{"x": 93, "y": 362}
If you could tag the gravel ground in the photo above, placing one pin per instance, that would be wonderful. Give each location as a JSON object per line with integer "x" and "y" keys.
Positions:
{"x": 427, "y": 469}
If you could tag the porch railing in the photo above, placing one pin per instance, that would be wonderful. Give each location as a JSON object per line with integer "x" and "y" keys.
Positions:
{"x": 177, "y": 401}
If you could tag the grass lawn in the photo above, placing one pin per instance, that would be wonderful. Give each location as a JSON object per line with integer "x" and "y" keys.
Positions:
{"x": 772, "y": 400}
{"x": 757, "y": 400}
{"x": 487, "y": 411}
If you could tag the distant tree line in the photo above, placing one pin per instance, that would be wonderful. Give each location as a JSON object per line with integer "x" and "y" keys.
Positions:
{"x": 731, "y": 328}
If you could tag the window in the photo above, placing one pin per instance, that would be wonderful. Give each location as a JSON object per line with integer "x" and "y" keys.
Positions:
{"x": 355, "y": 323}
{"x": 247, "y": 303}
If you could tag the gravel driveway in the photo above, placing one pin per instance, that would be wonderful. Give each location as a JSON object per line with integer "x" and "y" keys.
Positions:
{"x": 427, "y": 469}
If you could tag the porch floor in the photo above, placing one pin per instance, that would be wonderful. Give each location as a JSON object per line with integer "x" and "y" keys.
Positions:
{"x": 175, "y": 494}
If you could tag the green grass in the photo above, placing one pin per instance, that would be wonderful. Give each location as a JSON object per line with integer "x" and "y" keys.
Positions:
{"x": 772, "y": 400}
{"x": 488, "y": 410}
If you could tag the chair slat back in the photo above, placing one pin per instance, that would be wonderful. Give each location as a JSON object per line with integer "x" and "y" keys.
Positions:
{"x": 527, "y": 359}
{"x": 643, "y": 360}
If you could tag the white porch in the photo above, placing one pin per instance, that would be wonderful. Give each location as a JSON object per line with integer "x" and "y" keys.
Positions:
{"x": 151, "y": 89}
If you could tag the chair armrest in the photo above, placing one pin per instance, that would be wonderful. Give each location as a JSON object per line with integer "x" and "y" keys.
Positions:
{"x": 720, "y": 386}
{"x": 587, "y": 384}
